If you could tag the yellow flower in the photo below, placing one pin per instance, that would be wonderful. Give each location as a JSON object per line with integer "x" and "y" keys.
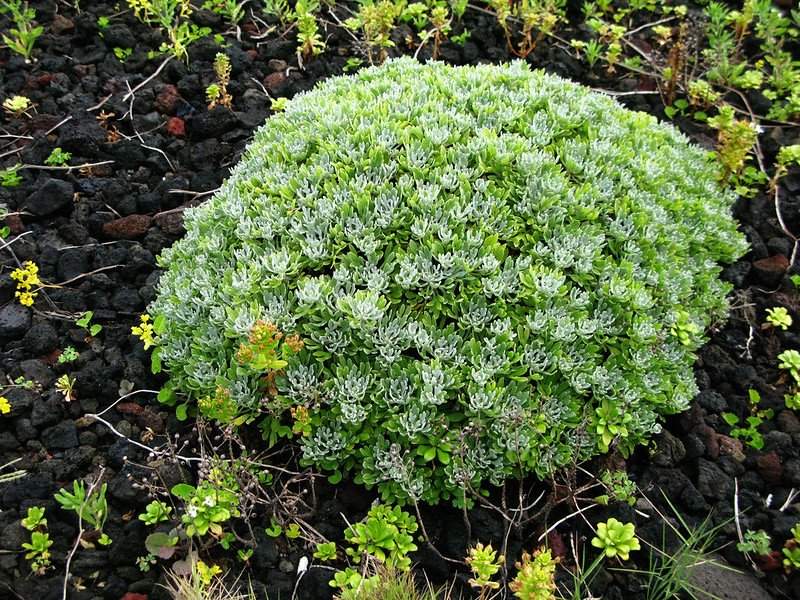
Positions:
{"x": 26, "y": 278}
{"x": 5, "y": 407}
{"x": 145, "y": 332}
{"x": 26, "y": 298}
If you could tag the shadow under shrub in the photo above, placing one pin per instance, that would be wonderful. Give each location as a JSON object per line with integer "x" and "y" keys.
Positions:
{"x": 491, "y": 270}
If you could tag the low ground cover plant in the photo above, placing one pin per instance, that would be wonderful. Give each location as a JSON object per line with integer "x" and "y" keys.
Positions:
{"x": 495, "y": 273}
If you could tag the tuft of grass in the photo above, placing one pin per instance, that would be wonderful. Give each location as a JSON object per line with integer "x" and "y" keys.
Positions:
{"x": 393, "y": 584}
{"x": 192, "y": 587}
{"x": 670, "y": 566}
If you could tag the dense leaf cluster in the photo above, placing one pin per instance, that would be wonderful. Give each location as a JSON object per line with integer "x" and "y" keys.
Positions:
{"x": 490, "y": 269}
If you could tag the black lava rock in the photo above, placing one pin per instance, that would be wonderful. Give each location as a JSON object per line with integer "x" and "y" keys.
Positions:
{"x": 54, "y": 195}
{"x": 15, "y": 320}
{"x": 41, "y": 339}
{"x": 61, "y": 436}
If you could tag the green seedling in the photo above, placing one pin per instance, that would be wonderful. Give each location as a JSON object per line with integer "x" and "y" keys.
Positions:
{"x": 155, "y": 512}
{"x": 35, "y": 518}
{"x": 67, "y": 355}
{"x": 616, "y": 539}
{"x": 86, "y": 323}
{"x": 57, "y": 158}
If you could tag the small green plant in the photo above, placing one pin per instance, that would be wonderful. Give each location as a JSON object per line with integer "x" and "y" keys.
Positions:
{"x": 217, "y": 93}
{"x": 791, "y": 550}
{"x": 309, "y": 41}
{"x": 735, "y": 140}
{"x": 616, "y": 539}
{"x": 68, "y": 355}
{"x": 10, "y": 176}
{"x": 25, "y": 33}
{"x": 86, "y": 323}
{"x": 91, "y": 508}
{"x": 38, "y": 548}
{"x": 57, "y": 158}
{"x": 65, "y": 385}
{"x": 380, "y": 582}
{"x": 279, "y": 9}
{"x": 171, "y": 17}
{"x": 526, "y": 23}
{"x": 161, "y": 544}
{"x": 279, "y": 104}
{"x": 385, "y": 535}
{"x": 17, "y": 106}
{"x": 155, "y": 512}
{"x": 755, "y": 542}
{"x": 749, "y": 432}
{"x": 38, "y": 551}
{"x": 779, "y": 317}
{"x": 122, "y": 53}
{"x": 618, "y": 487}
{"x": 214, "y": 501}
{"x": 266, "y": 349}
{"x": 102, "y": 22}
{"x": 325, "y": 551}
{"x": 231, "y": 10}
{"x": 612, "y": 423}
{"x": 376, "y": 20}
{"x": 684, "y": 329}
{"x": 790, "y": 361}
{"x": 146, "y": 562}
{"x": 35, "y": 519}
{"x": 535, "y": 579}
{"x": 484, "y": 563}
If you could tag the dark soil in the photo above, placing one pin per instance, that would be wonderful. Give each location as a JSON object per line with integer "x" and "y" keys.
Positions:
{"x": 96, "y": 232}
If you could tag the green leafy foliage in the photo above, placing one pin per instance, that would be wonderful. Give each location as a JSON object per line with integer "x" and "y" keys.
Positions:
{"x": 155, "y": 512}
{"x": 35, "y": 518}
{"x": 385, "y": 535}
{"x": 38, "y": 551}
{"x": 484, "y": 563}
{"x": 485, "y": 266}
{"x": 24, "y": 33}
{"x": 92, "y": 508}
{"x": 616, "y": 539}
{"x": 86, "y": 323}
{"x": 748, "y": 431}
{"x": 57, "y": 158}
{"x": 755, "y": 542}
{"x": 214, "y": 501}
{"x": 536, "y": 577}
{"x": 779, "y": 317}
{"x": 791, "y": 550}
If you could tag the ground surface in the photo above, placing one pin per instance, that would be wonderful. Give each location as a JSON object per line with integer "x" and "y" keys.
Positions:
{"x": 97, "y": 233}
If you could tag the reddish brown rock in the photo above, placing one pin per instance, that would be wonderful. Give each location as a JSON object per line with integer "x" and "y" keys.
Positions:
{"x": 274, "y": 81}
{"x": 769, "y": 562}
{"x": 176, "y": 127}
{"x": 60, "y": 24}
{"x": 731, "y": 447}
{"x": 167, "y": 99}
{"x": 770, "y": 270}
{"x": 127, "y": 228}
{"x": 770, "y": 467}
{"x": 170, "y": 222}
{"x": 134, "y": 596}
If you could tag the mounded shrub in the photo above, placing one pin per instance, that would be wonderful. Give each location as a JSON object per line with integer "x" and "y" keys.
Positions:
{"x": 490, "y": 269}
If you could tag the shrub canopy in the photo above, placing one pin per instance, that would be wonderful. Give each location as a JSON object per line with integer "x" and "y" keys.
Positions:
{"x": 490, "y": 268}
